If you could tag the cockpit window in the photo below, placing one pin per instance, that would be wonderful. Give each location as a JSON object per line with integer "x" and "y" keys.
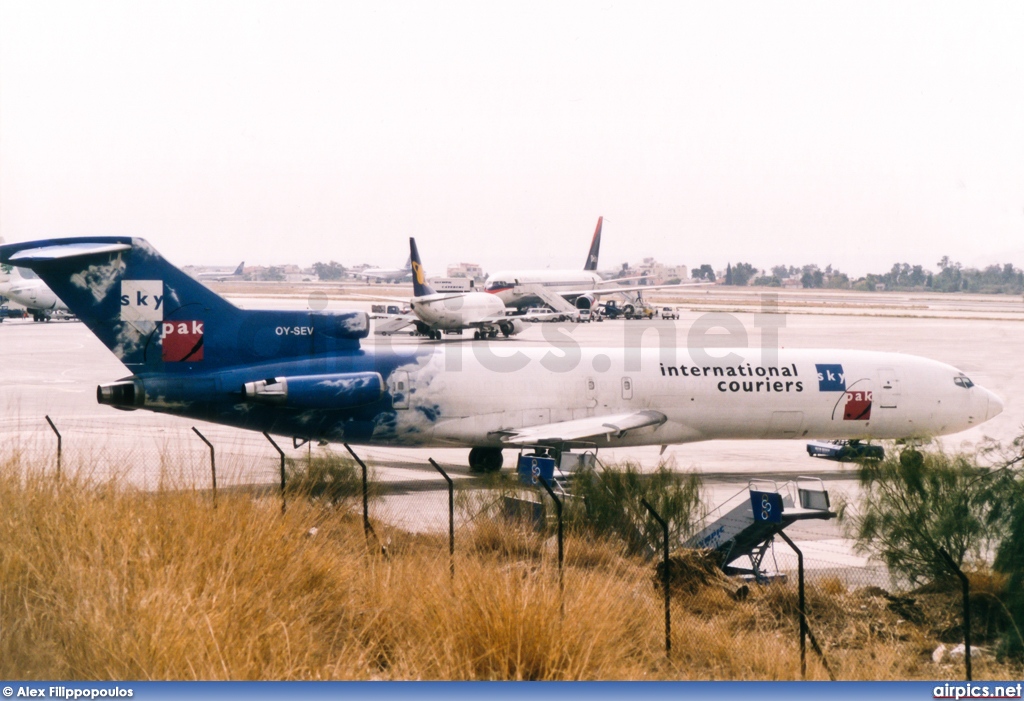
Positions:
{"x": 963, "y": 381}
{"x": 497, "y": 285}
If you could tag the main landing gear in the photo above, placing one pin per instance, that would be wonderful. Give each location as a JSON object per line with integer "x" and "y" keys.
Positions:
{"x": 485, "y": 459}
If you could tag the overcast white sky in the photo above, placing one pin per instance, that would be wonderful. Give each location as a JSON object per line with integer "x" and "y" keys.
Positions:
{"x": 855, "y": 134}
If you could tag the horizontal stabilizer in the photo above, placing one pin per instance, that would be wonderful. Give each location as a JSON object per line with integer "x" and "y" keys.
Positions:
{"x": 155, "y": 318}
{"x": 28, "y": 256}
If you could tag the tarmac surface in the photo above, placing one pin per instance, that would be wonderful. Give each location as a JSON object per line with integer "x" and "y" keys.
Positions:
{"x": 52, "y": 369}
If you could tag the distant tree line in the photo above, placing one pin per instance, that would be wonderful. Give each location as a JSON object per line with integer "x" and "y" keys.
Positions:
{"x": 329, "y": 271}
{"x": 952, "y": 277}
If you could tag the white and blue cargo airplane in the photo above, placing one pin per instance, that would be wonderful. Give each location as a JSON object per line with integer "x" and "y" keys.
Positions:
{"x": 304, "y": 373}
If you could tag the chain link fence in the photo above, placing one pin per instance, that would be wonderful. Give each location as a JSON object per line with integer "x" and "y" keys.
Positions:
{"x": 849, "y": 619}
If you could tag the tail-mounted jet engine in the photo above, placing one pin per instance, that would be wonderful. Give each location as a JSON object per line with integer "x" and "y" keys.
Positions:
{"x": 335, "y": 391}
{"x": 126, "y": 394}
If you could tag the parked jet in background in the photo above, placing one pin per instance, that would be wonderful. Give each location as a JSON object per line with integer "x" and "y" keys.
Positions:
{"x": 434, "y": 312}
{"x": 562, "y": 290}
{"x": 222, "y": 275}
{"x": 303, "y": 373}
{"x": 24, "y": 287}
{"x": 388, "y": 274}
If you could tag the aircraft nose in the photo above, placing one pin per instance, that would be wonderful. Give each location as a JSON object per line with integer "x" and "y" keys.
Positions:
{"x": 995, "y": 405}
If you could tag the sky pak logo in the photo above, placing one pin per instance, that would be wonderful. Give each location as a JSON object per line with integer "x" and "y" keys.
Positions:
{"x": 831, "y": 378}
{"x": 142, "y": 300}
{"x": 858, "y": 406}
{"x": 182, "y": 341}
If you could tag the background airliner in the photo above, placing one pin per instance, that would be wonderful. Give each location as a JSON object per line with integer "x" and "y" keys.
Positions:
{"x": 303, "y": 373}
{"x": 222, "y": 275}
{"x": 562, "y": 290}
{"x": 388, "y": 274}
{"x": 25, "y": 288}
{"x": 434, "y": 312}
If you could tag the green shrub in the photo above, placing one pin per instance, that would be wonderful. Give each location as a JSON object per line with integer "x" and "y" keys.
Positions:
{"x": 914, "y": 504}
{"x": 329, "y": 476}
{"x": 613, "y": 498}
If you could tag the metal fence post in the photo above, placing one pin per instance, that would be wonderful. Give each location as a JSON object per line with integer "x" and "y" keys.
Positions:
{"x": 803, "y": 612}
{"x": 805, "y": 628}
{"x": 666, "y": 576}
{"x": 213, "y": 463}
{"x": 451, "y": 515}
{"x": 60, "y": 446}
{"x": 561, "y": 551}
{"x": 366, "y": 513}
{"x": 965, "y": 588}
{"x": 281, "y": 453}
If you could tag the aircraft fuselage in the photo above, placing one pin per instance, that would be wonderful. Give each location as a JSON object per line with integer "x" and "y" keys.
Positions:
{"x": 470, "y": 394}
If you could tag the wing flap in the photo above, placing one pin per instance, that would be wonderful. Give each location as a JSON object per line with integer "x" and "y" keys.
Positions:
{"x": 578, "y": 429}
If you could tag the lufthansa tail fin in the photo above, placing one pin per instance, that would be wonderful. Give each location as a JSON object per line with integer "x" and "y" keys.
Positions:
{"x": 595, "y": 247}
{"x": 155, "y": 318}
{"x": 419, "y": 277}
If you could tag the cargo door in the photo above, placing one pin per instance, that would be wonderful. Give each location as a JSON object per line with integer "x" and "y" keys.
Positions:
{"x": 888, "y": 388}
{"x": 785, "y": 424}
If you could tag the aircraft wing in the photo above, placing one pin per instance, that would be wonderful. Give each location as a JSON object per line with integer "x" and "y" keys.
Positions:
{"x": 487, "y": 321}
{"x": 579, "y": 429}
{"x": 601, "y": 291}
{"x": 498, "y": 318}
{"x": 407, "y": 300}
{"x": 407, "y": 318}
{"x": 392, "y": 324}
{"x": 555, "y": 300}
{"x": 382, "y": 298}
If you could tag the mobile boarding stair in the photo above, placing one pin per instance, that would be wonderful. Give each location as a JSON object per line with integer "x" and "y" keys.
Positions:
{"x": 543, "y": 464}
{"x": 746, "y": 523}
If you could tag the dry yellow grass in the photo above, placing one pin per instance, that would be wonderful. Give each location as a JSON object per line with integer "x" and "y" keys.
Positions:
{"x": 99, "y": 581}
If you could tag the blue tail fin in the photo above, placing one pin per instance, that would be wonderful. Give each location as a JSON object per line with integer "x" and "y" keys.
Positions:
{"x": 595, "y": 247}
{"x": 155, "y": 318}
{"x": 419, "y": 276}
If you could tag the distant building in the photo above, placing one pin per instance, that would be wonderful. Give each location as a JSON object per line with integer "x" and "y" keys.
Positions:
{"x": 452, "y": 284}
{"x": 471, "y": 271}
{"x": 655, "y": 272}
